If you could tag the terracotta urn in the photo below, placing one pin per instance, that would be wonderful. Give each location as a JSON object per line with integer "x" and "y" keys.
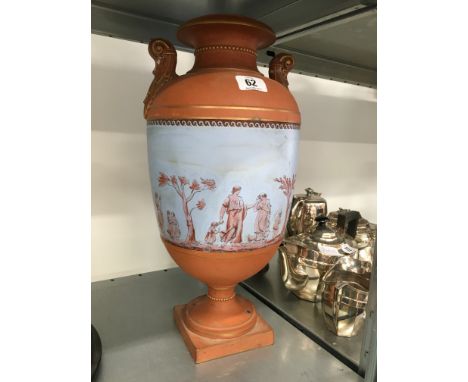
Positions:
{"x": 222, "y": 144}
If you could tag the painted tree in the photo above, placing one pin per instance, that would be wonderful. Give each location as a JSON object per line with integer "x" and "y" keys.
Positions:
{"x": 179, "y": 184}
{"x": 287, "y": 186}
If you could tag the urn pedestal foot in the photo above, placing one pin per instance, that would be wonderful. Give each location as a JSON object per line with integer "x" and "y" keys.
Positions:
{"x": 204, "y": 349}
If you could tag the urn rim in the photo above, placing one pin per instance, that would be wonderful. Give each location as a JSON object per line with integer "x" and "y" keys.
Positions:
{"x": 189, "y": 32}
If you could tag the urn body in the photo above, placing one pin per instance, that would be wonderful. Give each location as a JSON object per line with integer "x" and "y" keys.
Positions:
{"x": 222, "y": 148}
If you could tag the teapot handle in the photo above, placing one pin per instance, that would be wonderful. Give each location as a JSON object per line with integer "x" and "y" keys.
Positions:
{"x": 165, "y": 58}
{"x": 284, "y": 268}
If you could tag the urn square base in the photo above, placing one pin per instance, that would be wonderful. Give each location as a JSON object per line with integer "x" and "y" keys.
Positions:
{"x": 204, "y": 349}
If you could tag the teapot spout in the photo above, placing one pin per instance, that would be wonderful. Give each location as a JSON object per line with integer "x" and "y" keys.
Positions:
{"x": 292, "y": 274}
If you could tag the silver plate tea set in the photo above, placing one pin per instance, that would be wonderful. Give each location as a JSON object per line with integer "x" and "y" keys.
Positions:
{"x": 328, "y": 260}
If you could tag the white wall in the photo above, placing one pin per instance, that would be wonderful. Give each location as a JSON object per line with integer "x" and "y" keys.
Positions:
{"x": 337, "y": 154}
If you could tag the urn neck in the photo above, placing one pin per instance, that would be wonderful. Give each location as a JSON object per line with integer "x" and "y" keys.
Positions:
{"x": 225, "y": 56}
{"x": 225, "y": 41}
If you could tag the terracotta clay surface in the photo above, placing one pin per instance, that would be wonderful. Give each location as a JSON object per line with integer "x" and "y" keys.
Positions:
{"x": 204, "y": 349}
{"x": 222, "y": 144}
{"x": 220, "y": 313}
{"x": 224, "y": 46}
{"x": 225, "y": 269}
{"x": 209, "y": 100}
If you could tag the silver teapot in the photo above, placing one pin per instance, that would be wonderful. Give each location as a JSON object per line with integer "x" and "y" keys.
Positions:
{"x": 344, "y": 290}
{"x": 305, "y": 258}
{"x": 304, "y": 209}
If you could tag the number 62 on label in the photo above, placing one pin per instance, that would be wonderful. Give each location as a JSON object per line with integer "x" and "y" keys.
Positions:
{"x": 251, "y": 83}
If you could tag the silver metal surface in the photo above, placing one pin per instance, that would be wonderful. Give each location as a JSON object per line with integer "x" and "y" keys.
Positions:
{"x": 304, "y": 314}
{"x": 304, "y": 209}
{"x": 141, "y": 343}
{"x": 345, "y": 290}
{"x": 308, "y": 256}
{"x": 366, "y": 234}
{"x": 363, "y": 232}
{"x": 368, "y": 361}
{"x": 333, "y": 39}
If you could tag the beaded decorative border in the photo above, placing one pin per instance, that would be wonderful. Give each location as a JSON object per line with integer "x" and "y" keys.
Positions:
{"x": 225, "y": 47}
{"x": 224, "y": 123}
{"x": 221, "y": 299}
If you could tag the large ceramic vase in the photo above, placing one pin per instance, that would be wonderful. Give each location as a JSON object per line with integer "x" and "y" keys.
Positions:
{"x": 222, "y": 143}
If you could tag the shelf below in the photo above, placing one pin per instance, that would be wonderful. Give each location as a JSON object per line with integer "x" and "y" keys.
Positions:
{"x": 140, "y": 341}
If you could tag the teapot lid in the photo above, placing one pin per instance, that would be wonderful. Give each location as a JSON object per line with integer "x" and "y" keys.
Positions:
{"x": 323, "y": 233}
{"x": 311, "y": 196}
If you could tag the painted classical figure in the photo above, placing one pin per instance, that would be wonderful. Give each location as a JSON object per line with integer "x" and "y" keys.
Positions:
{"x": 262, "y": 207}
{"x": 277, "y": 222}
{"x": 210, "y": 237}
{"x": 173, "y": 226}
{"x": 236, "y": 210}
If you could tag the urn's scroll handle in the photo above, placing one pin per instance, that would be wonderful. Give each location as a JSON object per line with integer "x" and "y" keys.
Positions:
{"x": 165, "y": 58}
{"x": 280, "y": 65}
